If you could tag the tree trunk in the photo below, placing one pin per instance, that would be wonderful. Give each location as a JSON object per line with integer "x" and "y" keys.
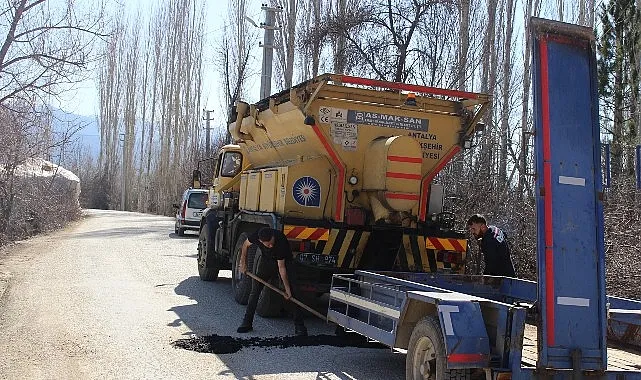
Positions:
{"x": 340, "y": 44}
{"x": 464, "y": 42}
{"x": 506, "y": 140}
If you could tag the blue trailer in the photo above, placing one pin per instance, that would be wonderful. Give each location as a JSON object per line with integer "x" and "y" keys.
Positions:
{"x": 453, "y": 326}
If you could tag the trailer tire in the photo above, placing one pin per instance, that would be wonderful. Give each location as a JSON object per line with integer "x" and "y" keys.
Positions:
{"x": 208, "y": 264}
{"x": 426, "y": 356}
{"x": 242, "y": 284}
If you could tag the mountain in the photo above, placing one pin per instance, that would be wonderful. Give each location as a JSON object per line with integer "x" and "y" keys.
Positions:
{"x": 84, "y": 132}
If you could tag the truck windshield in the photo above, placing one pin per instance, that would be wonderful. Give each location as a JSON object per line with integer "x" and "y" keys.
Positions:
{"x": 197, "y": 200}
{"x": 231, "y": 164}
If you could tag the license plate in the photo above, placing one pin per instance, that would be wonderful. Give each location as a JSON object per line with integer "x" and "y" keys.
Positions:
{"x": 198, "y": 213}
{"x": 317, "y": 259}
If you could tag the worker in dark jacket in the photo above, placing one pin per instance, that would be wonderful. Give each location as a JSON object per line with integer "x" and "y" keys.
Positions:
{"x": 275, "y": 259}
{"x": 493, "y": 244}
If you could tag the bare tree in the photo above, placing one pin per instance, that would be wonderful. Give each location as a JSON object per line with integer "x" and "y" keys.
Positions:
{"x": 464, "y": 42}
{"x": 158, "y": 123}
{"x": 234, "y": 56}
{"x": 384, "y": 36}
{"x": 532, "y": 8}
{"x": 45, "y": 48}
{"x": 285, "y": 40}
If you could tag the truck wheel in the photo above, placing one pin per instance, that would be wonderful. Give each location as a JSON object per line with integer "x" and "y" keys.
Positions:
{"x": 208, "y": 265}
{"x": 241, "y": 284}
{"x": 426, "y": 357}
{"x": 270, "y": 303}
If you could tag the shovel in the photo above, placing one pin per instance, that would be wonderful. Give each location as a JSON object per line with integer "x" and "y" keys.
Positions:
{"x": 294, "y": 300}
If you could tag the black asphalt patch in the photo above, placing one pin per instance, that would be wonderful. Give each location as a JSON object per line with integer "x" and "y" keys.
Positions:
{"x": 217, "y": 344}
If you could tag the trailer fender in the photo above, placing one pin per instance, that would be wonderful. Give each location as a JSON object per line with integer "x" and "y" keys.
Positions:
{"x": 466, "y": 340}
{"x": 412, "y": 312}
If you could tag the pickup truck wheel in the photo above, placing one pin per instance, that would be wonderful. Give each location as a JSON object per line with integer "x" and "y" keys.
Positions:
{"x": 208, "y": 266}
{"x": 177, "y": 230}
{"x": 241, "y": 284}
{"x": 426, "y": 356}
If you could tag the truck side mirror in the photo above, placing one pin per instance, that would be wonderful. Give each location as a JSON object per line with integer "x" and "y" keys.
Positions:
{"x": 196, "y": 179}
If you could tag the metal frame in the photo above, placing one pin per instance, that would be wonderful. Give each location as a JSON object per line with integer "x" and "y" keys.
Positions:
{"x": 571, "y": 262}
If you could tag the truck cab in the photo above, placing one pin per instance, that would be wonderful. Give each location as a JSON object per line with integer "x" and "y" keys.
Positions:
{"x": 227, "y": 168}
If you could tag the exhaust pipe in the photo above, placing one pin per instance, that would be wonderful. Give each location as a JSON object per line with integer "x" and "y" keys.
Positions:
{"x": 234, "y": 127}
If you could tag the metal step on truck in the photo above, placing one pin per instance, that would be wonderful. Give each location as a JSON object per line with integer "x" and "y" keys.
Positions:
{"x": 562, "y": 326}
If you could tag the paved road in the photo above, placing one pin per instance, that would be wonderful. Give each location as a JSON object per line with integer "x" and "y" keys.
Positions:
{"x": 106, "y": 297}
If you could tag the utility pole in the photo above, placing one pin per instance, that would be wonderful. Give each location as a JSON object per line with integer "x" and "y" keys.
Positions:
{"x": 121, "y": 139}
{"x": 268, "y": 49}
{"x": 207, "y": 119}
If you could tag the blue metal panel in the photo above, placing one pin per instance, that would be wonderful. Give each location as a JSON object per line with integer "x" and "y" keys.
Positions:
{"x": 516, "y": 340}
{"x": 531, "y": 373}
{"x": 569, "y": 210}
{"x": 519, "y": 290}
{"x": 466, "y": 340}
{"x": 385, "y": 337}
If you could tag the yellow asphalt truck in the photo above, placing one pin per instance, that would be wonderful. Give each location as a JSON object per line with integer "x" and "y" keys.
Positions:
{"x": 344, "y": 166}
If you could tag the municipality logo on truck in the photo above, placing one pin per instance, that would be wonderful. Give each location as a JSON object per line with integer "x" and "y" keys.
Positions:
{"x": 306, "y": 192}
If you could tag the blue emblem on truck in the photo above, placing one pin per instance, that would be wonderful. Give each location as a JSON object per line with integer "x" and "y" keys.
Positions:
{"x": 306, "y": 192}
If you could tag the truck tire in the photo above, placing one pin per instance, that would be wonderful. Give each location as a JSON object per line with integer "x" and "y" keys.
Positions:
{"x": 270, "y": 304}
{"x": 208, "y": 264}
{"x": 241, "y": 284}
{"x": 426, "y": 356}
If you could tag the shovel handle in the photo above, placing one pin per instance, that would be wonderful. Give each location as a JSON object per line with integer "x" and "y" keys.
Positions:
{"x": 294, "y": 300}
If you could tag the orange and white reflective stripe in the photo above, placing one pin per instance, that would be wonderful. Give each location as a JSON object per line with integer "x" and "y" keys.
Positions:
{"x": 306, "y": 233}
{"x": 445, "y": 244}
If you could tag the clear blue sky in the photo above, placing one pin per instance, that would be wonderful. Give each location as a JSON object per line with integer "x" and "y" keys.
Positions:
{"x": 83, "y": 99}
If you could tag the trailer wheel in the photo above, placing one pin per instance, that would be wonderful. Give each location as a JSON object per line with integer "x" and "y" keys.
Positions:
{"x": 208, "y": 265}
{"x": 426, "y": 354}
{"x": 241, "y": 284}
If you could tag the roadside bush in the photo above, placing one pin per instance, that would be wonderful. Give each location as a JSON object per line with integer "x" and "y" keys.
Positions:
{"x": 35, "y": 195}
{"x": 45, "y": 197}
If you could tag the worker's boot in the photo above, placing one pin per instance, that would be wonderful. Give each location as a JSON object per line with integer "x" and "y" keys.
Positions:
{"x": 245, "y": 327}
{"x": 300, "y": 330}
